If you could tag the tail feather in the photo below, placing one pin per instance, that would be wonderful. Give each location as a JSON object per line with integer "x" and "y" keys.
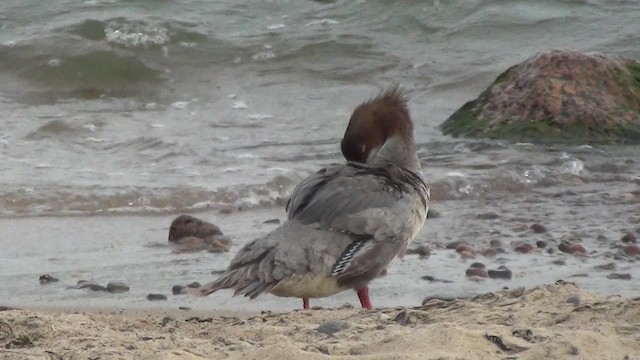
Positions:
{"x": 243, "y": 280}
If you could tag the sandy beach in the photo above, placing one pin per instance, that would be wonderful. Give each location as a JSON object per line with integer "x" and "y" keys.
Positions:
{"x": 549, "y": 322}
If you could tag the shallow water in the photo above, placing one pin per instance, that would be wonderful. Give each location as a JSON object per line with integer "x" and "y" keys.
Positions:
{"x": 118, "y": 116}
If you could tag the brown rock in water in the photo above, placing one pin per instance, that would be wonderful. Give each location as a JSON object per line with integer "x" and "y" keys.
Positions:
{"x": 632, "y": 250}
{"x": 476, "y": 271}
{"x": 538, "y": 228}
{"x": 524, "y": 248}
{"x": 465, "y": 248}
{"x": 557, "y": 96}
{"x": 573, "y": 249}
{"x": 186, "y": 226}
{"x": 629, "y": 238}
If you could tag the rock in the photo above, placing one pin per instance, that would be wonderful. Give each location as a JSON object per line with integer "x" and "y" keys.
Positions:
{"x": 495, "y": 243}
{"x": 116, "y": 287}
{"x": 194, "y": 285}
{"x": 491, "y": 215}
{"x": 466, "y": 255}
{"x": 618, "y": 276}
{"x": 477, "y": 265}
{"x": 218, "y": 247}
{"x": 433, "y": 213}
{"x": 632, "y": 250}
{"x": 476, "y": 272}
{"x": 557, "y": 96}
{"x": 91, "y": 285}
{"x": 47, "y": 279}
{"x": 185, "y": 225}
{"x": 541, "y": 244}
{"x": 432, "y": 279}
{"x": 489, "y": 253}
{"x": 524, "y": 248}
{"x": 574, "y": 300}
{"x": 629, "y": 238}
{"x": 156, "y": 297}
{"x": 520, "y": 228}
{"x": 403, "y": 318}
{"x": 606, "y": 267}
{"x": 178, "y": 289}
{"x": 573, "y": 249}
{"x": 455, "y": 244}
{"x": 465, "y": 248}
{"x": 538, "y": 228}
{"x": 501, "y": 273}
{"x": 272, "y": 221}
{"x": 424, "y": 251}
{"x": 330, "y": 327}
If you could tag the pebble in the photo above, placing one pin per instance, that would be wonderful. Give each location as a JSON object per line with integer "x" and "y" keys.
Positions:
{"x": 488, "y": 216}
{"x": 521, "y": 228}
{"x": 501, "y": 273}
{"x": 572, "y": 248}
{"x": 524, "y": 248}
{"x": 476, "y": 272}
{"x": 538, "y": 228}
{"x": 607, "y": 267}
{"x": 629, "y": 238}
{"x": 489, "y": 253}
{"x": 424, "y": 251}
{"x": 455, "y": 244}
{"x": 332, "y": 326}
{"x": 272, "y": 221}
{"x": 464, "y": 247}
{"x": 84, "y": 284}
{"x": 403, "y": 318}
{"x": 464, "y": 255}
{"x": 194, "y": 285}
{"x": 574, "y": 299}
{"x": 47, "y": 279}
{"x": 433, "y": 279}
{"x": 177, "y": 289}
{"x": 218, "y": 247}
{"x": 495, "y": 243}
{"x": 632, "y": 250}
{"x": 156, "y": 297}
{"x": 116, "y": 287}
{"x": 541, "y": 244}
{"x": 477, "y": 265}
{"x": 619, "y": 276}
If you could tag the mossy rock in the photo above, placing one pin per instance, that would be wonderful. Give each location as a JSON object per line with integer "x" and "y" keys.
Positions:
{"x": 557, "y": 96}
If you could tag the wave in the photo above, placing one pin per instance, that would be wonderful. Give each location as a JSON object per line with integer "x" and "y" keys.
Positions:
{"x": 98, "y": 200}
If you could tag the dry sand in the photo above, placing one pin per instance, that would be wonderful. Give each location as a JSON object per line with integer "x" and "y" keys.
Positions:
{"x": 511, "y": 324}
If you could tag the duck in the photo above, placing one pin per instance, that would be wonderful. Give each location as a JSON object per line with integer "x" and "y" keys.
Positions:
{"x": 347, "y": 222}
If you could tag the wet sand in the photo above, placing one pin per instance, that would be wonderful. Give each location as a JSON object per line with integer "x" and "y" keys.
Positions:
{"x": 553, "y": 321}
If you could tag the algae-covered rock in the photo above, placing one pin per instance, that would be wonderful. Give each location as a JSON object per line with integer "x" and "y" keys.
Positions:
{"x": 557, "y": 96}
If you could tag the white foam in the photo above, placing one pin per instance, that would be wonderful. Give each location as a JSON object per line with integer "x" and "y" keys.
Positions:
{"x": 239, "y": 105}
{"x": 276, "y": 26}
{"x": 324, "y": 22}
{"x": 259, "y": 116}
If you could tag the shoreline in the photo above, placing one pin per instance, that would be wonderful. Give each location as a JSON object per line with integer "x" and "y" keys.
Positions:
{"x": 550, "y": 321}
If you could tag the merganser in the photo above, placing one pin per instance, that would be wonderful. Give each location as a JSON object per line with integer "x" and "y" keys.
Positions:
{"x": 347, "y": 222}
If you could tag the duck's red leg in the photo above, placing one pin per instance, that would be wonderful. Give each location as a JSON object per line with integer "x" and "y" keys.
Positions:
{"x": 363, "y": 295}
{"x": 305, "y": 303}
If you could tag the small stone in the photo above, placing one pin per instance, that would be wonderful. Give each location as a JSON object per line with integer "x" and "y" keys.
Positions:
{"x": 489, "y": 253}
{"x": 186, "y": 308}
{"x": 116, "y": 287}
{"x": 488, "y": 216}
{"x": 559, "y": 262}
{"x": 465, "y": 255}
{"x": 185, "y": 226}
{"x": 424, "y": 251}
{"x": 477, "y": 265}
{"x": 454, "y": 244}
{"x": 477, "y": 272}
{"x": 47, "y": 279}
{"x": 501, "y": 273}
{"x": 538, "y": 228}
{"x": 521, "y": 228}
{"x": 194, "y": 285}
{"x": 403, "y": 318}
{"x": 541, "y": 244}
{"x": 218, "y": 247}
{"x": 332, "y": 326}
{"x": 629, "y": 238}
{"x": 464, "y": 247}
{"x": 156, "y": 297}
{"x": 606, "y": 267}
{"x": 91, "y": 285}
{"x": 433, "y": 213}
{"x": 572, "y": 248}
{"x": 574, "y": 299}
{"x": 495, "y": 243}
{"x": 433, "y": 279}
{"x": 177, "y": 289}
{"x": 601, "y": 238}
{"x": 524, "y": 248}
{"x": 632, "y": 250}
{"x": 272, "y": 221}
{"x": 619, "y": 276}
